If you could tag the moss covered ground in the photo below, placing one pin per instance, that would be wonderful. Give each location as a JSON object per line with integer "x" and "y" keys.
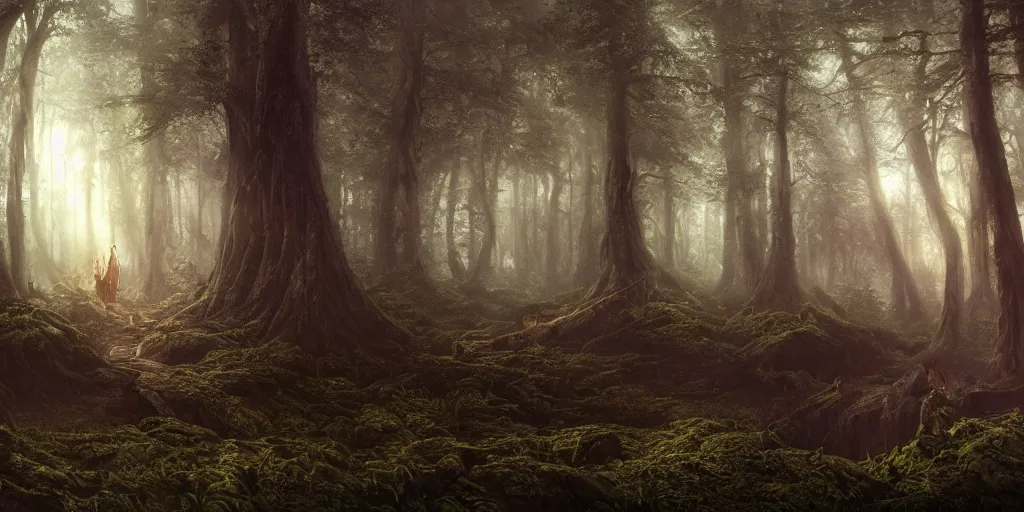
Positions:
{"x": 673, "y": 407}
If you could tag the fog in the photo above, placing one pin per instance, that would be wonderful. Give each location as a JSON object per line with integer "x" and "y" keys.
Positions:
{"x": 388, "y": 223}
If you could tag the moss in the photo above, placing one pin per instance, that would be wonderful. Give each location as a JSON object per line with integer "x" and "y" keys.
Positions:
{"x": 42, "y": 357}
{"x": 187, "y": 346}
{"x": 666, "y": 410}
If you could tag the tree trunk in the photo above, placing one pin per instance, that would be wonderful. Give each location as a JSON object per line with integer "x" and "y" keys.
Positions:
{"x": 557, "y": 183}
{"x": 455, "y": 265}
{"x": 626, "y": 262}
{"x": 778, "y": 287}
{"x": 948, "y": 334}
{"x": 730, "y": 241}
{"x": 982, "y": 296}
{"x": 739, "y": 227}
{"x": 157, "y": 192}
{"x": 283, "y": 269}
{"x": 39, "y": 30}
{"x": 88, "y": 190}
{"x": 518, "y": 222}
{"x": 588, "y": 260}
{"x": 668, "y": 219}
{"x": 906, "y": 299}
{"x": 483, "y": 268}
{"x": 402, "y": 175}
{"x": 8, "y": 19}
{"x": 995, "y": 177}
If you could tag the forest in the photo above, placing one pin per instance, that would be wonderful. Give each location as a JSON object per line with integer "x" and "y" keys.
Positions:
{"x": 500, "y": 255}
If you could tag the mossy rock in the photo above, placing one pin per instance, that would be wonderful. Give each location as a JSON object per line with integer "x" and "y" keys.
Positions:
{"x": 978, "y": 464}
{"x": 42, "y": 357}
{"x": 817, "y": 342}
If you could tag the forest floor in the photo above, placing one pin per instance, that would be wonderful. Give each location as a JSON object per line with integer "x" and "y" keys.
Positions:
{"x": 677, "y": 406}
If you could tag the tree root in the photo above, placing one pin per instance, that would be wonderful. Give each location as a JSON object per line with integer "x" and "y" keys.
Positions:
{"x": 582, "y": 319}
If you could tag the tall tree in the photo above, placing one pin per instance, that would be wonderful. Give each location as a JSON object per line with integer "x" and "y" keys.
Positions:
{"x": 402, "y": 174}
{"x": 39, "y": 27}
{"x": 777, "y": 286}
{"x": 10, "y": 12}
{"x": 158, "y": 197}
{"x": 913, "y": 123}
{"x": 282, "y": 267}
{"x": 906, "y": 299}
{"x": 740, "y": 236}
{"x": 995, "y": 176}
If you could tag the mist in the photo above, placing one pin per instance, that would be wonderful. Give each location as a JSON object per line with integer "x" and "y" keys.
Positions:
{"x": 511, "y": 254}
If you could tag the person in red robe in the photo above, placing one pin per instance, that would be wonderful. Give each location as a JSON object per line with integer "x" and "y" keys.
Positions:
{"x": 107, "y": 284}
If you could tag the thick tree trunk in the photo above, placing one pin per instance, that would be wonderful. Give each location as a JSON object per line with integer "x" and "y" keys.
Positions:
{"x": 730, "y": 240}
{"x": 983, "y": 295}
{"x": 39, "y": 30}
{"x": 402, "y": 176}
{"x": 778, "y": 286}
{"x": 9, "y": 16}
{"x": 948, "y": 334}
{"x": 282, "y": 269}
{"x": 995, "y": 176}
{"x": 906, "y": 299}
{"x": 455, "y": 264}
{"x": 626, "y": 262}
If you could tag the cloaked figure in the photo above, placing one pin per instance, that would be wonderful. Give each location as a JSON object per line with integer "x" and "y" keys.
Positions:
{"x": 106, "y": 283}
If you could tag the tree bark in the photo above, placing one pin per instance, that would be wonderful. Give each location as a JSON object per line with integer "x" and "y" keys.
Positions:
{"x": 626, "y": 262}
{"x": 588, "y": 260}
{"x": 9, "y": 16}
{"x": 483, "y": 266}
{"x": 948, "y": 334}
{"x": 982, "y": 296}
{"x": 995, "y": 176}
{"x": 39, "y": 29}
{"x": 402, "y": 176}
{"x": 282, "y": 269}
{"x": 906, "y": 299}
{"x": 778, "y": 287}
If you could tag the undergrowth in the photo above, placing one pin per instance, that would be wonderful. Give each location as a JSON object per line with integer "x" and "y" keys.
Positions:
{"x": 676, "y": 409}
